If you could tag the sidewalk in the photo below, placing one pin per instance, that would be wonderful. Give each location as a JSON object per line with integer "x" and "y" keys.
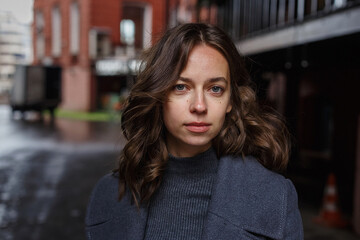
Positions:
{"x": 313, "y": 231}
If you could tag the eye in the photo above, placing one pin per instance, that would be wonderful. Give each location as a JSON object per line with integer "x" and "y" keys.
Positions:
{"x": 179, "y": 87}
{"x": 217, "y": 89}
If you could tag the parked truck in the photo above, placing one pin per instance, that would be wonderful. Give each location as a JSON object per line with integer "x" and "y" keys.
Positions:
{"x": 36, "y": 88}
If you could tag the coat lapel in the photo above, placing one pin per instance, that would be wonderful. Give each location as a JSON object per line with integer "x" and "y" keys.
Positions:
{"x": 247, "y": 202}
{"x": 108, "y": 218}
{"x": 243, "y": 200}
{"x": 136, "y": 224}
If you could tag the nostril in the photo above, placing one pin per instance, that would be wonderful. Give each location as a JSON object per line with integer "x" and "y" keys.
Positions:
{"x": 198, "y": 104}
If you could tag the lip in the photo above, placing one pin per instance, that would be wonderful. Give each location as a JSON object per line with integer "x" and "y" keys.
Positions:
{"x": 197, "y": 127}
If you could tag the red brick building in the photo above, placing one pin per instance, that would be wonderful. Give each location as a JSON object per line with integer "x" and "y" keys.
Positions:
{"x": 75, "y": 34}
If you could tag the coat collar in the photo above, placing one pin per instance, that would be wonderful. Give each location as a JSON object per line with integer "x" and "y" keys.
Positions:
{"x": 248, "y": 196}
{"x": 244, "y": 195}
{"x": 136, "y": 225}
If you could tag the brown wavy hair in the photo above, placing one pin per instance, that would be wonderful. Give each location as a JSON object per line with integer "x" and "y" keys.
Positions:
{"x": 247, "y": 129}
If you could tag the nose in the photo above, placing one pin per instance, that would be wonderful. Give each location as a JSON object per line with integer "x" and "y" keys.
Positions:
{"x": 198, "y": 104}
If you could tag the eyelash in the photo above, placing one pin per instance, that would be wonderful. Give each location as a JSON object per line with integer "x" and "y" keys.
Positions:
{"x": 221, "y": 89}
{"x": 179, "y": 85}
{"x": 183, "y": 88}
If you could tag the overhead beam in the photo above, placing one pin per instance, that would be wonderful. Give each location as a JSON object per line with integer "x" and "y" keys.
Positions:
{"x": 334, "y": 25}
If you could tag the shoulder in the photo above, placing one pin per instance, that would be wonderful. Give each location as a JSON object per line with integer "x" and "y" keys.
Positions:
{"x": 248, "y": 170}
{"x": 108, "y": 217}
{"x": 102, "y": 200}
{"x": 258, "y": 199}
{"x": 248, "y": 175}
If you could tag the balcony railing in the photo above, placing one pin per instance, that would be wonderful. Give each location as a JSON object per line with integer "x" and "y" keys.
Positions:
{"x": 247, "y": 18}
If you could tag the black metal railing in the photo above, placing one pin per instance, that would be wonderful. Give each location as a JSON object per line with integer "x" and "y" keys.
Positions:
{"x": 246, "y": 18}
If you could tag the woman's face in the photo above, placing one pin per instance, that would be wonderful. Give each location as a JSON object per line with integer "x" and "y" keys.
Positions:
{"x": 197, "y": 104}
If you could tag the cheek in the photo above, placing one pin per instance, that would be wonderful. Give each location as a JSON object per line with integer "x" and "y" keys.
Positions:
{"x": 170, "y": 114}
{"x": 224, "y": 105}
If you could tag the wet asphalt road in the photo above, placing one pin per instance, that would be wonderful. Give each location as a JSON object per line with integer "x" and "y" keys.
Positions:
{"x": 47, "y": 172}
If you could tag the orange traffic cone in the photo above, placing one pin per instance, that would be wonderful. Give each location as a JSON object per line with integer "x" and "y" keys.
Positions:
{"x": 330, "y": 215}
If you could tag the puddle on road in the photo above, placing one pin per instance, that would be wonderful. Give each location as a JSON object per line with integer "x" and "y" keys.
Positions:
{"x": 29, "y": 191}
{"x": 62, "y": 135}
{"x": 33, "y": 160}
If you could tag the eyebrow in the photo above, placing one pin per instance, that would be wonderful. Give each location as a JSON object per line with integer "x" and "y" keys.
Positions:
{"x": 210, "y": 80}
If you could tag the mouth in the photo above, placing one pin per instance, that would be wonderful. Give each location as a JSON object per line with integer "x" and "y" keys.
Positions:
{"x": 197, "y": 127}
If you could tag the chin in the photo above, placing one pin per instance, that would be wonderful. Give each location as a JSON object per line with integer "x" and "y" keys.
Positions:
{"x": 199, "y": 142}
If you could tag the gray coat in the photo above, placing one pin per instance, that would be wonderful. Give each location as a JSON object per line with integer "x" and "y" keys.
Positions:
{"x": 248, "y": 202}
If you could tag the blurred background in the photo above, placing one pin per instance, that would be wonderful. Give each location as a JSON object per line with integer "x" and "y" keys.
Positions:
{"x": 66, "y": 67}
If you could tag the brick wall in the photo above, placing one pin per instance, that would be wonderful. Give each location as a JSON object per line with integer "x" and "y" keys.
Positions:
{"x": 79, "y": 85}
{"x": 107, "y": 14}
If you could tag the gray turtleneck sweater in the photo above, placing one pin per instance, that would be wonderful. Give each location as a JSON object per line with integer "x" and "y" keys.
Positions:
{"x": 178, "y": 209}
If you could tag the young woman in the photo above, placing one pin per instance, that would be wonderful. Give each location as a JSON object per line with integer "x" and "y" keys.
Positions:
{"x": 201, "y": 155}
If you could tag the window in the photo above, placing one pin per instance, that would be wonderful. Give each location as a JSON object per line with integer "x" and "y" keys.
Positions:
{"x": 137, "y": 24}
{"x": 99, "y": 43}
{"x": 339, "y": 3}
{"x": 40, "y": 39}
{"x": 56, "y": 32}
{"x": 127, "y": 31}
{"x": 74, "y": 28}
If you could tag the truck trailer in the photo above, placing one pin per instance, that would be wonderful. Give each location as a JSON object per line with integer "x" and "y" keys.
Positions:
{"x": 36, "y": 88}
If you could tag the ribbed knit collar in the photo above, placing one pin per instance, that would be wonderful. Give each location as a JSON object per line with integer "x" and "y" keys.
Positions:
{"x": 204, "y": 162}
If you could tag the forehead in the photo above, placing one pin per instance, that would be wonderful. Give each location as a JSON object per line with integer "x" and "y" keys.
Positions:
{"x": 206, "y": 61}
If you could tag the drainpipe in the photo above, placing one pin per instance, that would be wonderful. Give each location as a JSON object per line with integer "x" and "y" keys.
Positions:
{"x": 357, "y": 184}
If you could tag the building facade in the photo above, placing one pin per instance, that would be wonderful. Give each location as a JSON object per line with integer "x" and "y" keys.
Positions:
{"x": 15, "y": 48}
{"x": 92, "y": 40}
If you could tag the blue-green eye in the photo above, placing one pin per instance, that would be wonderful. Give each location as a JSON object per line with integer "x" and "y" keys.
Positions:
{"x": 179, "y": 87}
{"x": 216, "y": 89}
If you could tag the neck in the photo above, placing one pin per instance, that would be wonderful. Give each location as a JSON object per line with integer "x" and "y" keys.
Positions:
{"x": 186, "y": 151}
